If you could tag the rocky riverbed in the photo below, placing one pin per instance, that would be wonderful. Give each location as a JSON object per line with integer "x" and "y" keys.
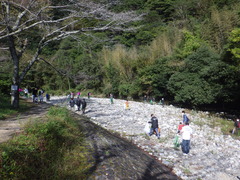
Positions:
{"x": 213, "y": 156}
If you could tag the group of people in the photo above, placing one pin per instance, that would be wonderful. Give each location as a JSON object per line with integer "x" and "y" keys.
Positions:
{"x": 152, "y": 100}
{"x": 183, "y": 129}
{"x": 126, "y": 103}
{"x": 81, "y": 104}
{"x": 72, "y": 94}
{"x": 37, "y": 94}
{"x": 187, "y": 133}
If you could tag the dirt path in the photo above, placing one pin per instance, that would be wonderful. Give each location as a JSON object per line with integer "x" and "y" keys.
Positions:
{"x": 13, "y": 124}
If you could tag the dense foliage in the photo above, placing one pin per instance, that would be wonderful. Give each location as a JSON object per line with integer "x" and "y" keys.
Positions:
{"x": 184, "y": 50}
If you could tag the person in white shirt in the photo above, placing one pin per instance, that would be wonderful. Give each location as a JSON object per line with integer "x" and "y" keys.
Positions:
{"x": 26, "y": 92}
{"x": 186, "y": 133}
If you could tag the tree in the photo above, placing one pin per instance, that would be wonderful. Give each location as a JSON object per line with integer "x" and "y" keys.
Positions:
{"x": 154, "y": 78}
{"x": 204, "y": 79}
{"x": 163, "y": 8}
{"x": 234, "y": 46}
{"x": 50, "y": 22}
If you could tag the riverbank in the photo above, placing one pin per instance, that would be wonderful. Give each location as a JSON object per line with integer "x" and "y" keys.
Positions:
{"x": 110, "y": 156}
{"x": 213, "y": 155}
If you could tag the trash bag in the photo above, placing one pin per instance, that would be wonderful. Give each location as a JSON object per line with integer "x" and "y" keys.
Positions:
{"x": 147, "y": 128}
{"x": 75, "y": 107}
{"x": 176, "y": 141}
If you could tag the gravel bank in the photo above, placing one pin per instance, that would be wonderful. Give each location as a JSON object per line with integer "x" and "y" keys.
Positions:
{"x": 213, "y": 156}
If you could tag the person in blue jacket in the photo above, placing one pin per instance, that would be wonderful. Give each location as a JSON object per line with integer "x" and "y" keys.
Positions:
{"x": 185, "y": 118}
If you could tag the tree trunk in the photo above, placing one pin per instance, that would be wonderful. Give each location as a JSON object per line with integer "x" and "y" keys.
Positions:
{"x": 15, "y": 98}
{"x": 15, "y": 79}
{"x": 69, "y": 85}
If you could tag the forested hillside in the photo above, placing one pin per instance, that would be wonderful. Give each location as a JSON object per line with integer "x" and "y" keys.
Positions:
{"x": 187, "y": 51}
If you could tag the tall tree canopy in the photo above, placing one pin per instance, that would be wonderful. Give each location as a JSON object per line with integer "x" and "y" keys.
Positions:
{"x": 31, "y": 24}
{"x": 184, "y": 50}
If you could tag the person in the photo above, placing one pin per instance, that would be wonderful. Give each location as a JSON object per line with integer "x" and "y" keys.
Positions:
{"x": 145, "y": 98}
{"x": 34, "y": 95}
{"x": 21, "y": 92}
{"x": 78, "y": 94}
{"x": 71, "y": 95}
{"x": 78, "y": 103}
{"x": 151, "y": 101}
{"x": 71, "y": 103}
{"x": 180, "y": 126}
{"x": 68, "y": 96}
{"x": 26, "y": 92}
{"x": 126, "y": 104}
{"x": 84, "y": 105}
{"x": 40, "y": 95}
{"x": 185, "y": 118}
{"x": 186, "y": 133}
{"x": 154, "y": 127}
{"x": 111, "y": 98}
{"x": 162, "y": 102}
{"x": 236, "y": 126}
{"x": 47, "y": 97}
{"x": 89, "y": 94}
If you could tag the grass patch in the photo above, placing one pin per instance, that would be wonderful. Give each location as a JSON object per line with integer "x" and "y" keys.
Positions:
{"x": 52, "y": 147}
{"x": 6, "y": 108}
{"x": 214, "y": 121}
{"x": 187, "y": 171}
{"x": 225, "y": 125}
{"x": 199, "y": 123}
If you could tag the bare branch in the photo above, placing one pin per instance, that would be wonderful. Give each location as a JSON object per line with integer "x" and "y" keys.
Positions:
{"x": 31, "y": 26}
{"x": 21, "y": 15}
{"x": 57, "y": 29}
{"x": 81, "y": 9}
{"x": 52, "y": 66}
{"x": 59, "y": 37}
{"x": 31, "y": 63}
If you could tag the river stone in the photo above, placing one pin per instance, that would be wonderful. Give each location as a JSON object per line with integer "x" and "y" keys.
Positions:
{"x": 213, "y": 155}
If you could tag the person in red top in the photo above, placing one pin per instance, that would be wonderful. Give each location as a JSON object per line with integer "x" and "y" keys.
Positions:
{"x": 180, "y": 126}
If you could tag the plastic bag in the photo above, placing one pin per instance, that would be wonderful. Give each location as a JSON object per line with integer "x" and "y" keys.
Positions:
{"x": 147, "y": 128}
{"x": 176, "y": 141}
{"x": 75, "y": 107}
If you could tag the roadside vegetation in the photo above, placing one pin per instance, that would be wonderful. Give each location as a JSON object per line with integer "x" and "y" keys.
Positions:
{"x": 50, "y": 147}
{"x": 6, "y": 108}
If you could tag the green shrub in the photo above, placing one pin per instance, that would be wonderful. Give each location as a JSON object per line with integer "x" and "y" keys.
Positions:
{"x": 43, "y": 150}
{"x": 6, "y": 108}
